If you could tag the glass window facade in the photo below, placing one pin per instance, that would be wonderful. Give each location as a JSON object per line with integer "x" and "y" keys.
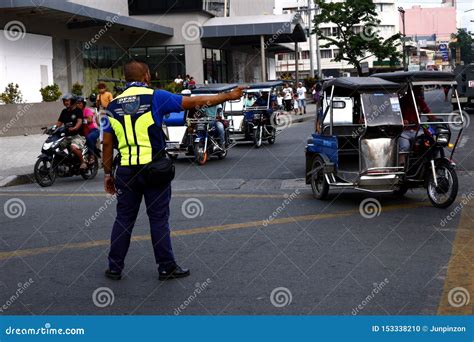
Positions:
{"x": 215, "y": 65}
{"x": 165, "y": 62}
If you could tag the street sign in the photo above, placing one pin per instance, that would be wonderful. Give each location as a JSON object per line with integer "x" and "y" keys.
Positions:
{"x": 443, "y": 49}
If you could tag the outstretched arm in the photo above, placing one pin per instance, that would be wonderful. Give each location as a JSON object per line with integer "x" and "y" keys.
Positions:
{"x": 211, "y": 100}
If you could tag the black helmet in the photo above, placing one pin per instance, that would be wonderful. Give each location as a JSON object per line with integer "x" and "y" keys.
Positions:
{"x": 81, "y": 99}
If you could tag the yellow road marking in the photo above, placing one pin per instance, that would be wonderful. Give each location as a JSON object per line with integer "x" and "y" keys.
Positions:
{"x": 460, "y": 273}
{"x": 202, "y": 230}
{"x": 175, "y": 194}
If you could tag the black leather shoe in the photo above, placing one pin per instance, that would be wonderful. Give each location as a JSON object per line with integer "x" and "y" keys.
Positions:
{"x": 113, "y": 275}
{"x": 174, "y": 273}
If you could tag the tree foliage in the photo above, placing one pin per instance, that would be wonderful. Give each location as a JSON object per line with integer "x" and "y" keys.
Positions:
{"x": 464, "y": 42}
{"x": 357, "y": 37}
{"x": 50, "y": 93}
{"x": 12, "y": 94}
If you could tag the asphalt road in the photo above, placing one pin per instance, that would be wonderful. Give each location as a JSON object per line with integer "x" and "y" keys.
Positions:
{"x": 258, "y": 244}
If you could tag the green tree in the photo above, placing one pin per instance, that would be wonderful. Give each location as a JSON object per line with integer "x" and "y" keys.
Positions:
{"x": 464, "y": 42}
{"x": 50, "y": 93}
{"x": 12, "y": 94}
{"x": 357, "y": 37}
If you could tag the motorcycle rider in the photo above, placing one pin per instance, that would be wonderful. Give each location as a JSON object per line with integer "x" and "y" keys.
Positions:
{"x": 71, "y": 115}
{"x": 90, "y": 128}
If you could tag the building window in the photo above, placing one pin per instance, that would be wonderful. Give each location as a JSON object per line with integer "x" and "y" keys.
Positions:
{"x": 335, "y": 31}
{"x": 335, "y": 52}
{"x": 304, "y": 54}
{"x": 326, "y": 53}
{"x": 215, "y": 65}
{"x": 326, "y": 31}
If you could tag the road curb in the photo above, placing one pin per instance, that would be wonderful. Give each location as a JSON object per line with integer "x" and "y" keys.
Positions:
{"x": 17, "y": 180}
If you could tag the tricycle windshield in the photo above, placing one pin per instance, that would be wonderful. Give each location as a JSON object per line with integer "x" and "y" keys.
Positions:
{"x": 381, "y": 109}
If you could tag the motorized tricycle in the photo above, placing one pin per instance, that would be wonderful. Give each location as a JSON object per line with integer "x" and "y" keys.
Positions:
{"x": 258, "y": 120}
{"x": 194, "y": 133}
{"x": 356, "y": 144}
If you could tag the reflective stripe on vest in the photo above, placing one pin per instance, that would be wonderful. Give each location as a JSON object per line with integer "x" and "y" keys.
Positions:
{"x": 133, "y": 140}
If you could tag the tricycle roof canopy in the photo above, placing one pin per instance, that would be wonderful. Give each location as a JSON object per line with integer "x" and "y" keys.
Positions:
{"x": 213, "y": 88}
{"x": 265, "y": 85}
{"x": 415, "y": 76}
{"x": 357, "y": 84}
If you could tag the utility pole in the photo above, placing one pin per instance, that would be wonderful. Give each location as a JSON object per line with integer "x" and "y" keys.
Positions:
{"x": 402, "y": 13}
{"x": 310, "y": 21}
{"x": 309, "y": 10}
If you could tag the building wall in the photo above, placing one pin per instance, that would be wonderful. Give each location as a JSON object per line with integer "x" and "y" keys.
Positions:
{"x": 187, "y": 32}
{"x": 68, "y": 66}
{"x": 115, "y": 6}
{"x": 22, "y": 62}
{"x": 251, "y": 7}
{"x": 428, "y": 21}
{"x": 387, "y": 13}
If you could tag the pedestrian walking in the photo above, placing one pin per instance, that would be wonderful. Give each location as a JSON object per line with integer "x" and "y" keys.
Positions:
{"x": 301, "y": 99}
{"x": 287, "y": 97}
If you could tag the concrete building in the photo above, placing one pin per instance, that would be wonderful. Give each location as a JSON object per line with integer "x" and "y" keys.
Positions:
{"x": 65, "y": 42}
{"x": 429, "y": 31}
{"x": 387, "y": 13}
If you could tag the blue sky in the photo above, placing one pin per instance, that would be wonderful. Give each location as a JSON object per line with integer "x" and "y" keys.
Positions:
{"x": 462, "y": 6}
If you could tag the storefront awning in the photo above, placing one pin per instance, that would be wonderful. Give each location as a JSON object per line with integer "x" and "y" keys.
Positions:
{"x": 74, "y": 21}
{"x": 286, "y": 28}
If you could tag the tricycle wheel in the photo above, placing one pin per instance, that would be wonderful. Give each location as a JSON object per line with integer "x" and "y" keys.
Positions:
{"x": 257, "y": 138}
{"x": 319, "y": 185}
{"x": 444, "y": 194}
{"x": 200, "y": 154}
{"x": 272, "y": 139}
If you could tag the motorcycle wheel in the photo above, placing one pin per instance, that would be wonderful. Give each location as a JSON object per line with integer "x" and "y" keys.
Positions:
{"x": 257, "y": 138}
{"x": 91, "y": 171}
{"x": 45, "y": 175}
{"x": 199, "y": 154}
{"x": 319, "y": 185}
{"x": 222, "y": 155}
{"x": 443, "y": 195}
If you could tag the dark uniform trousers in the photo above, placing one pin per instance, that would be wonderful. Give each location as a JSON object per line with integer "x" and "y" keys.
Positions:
{"x": 131, "y": 187}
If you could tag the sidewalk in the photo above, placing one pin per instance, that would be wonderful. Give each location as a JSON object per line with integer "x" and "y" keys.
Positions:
{"x": 18, "y": 155}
